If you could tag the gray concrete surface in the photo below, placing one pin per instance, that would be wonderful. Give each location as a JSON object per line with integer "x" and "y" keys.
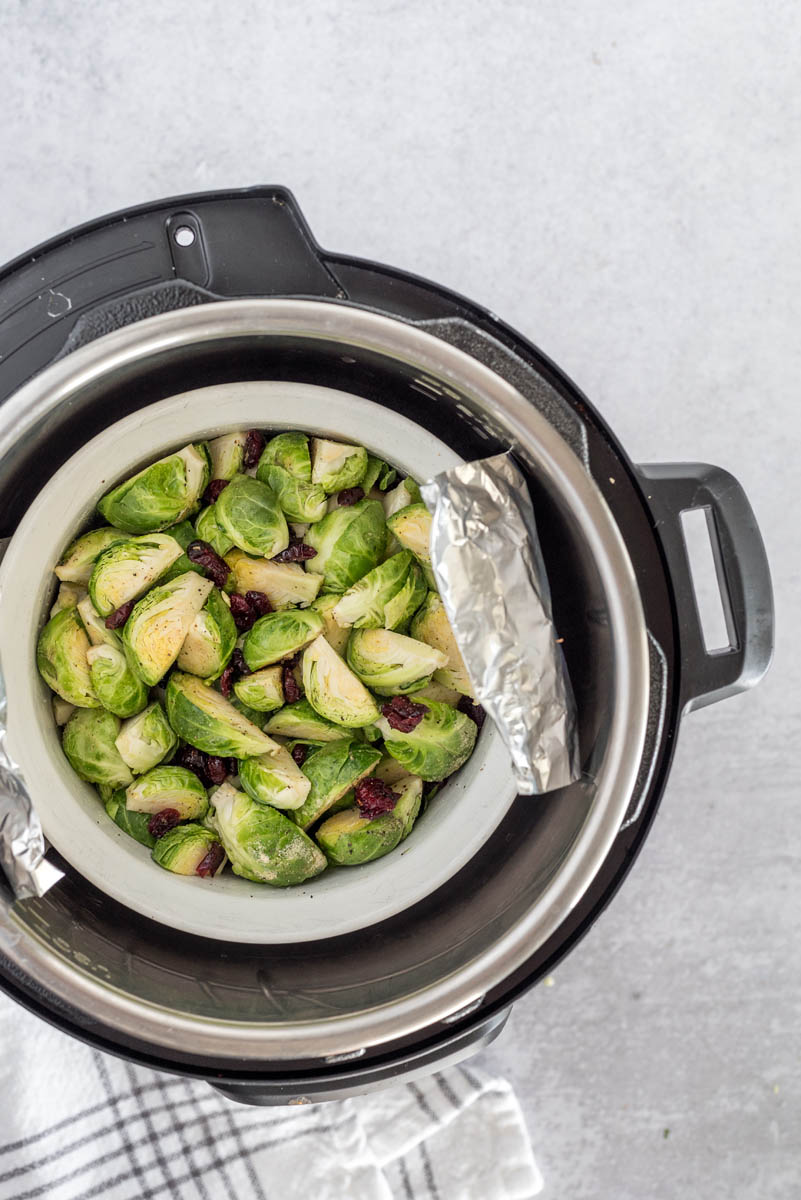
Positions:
{"x": 621, "y": 182}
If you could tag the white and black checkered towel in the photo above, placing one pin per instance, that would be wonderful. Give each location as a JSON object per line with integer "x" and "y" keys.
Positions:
{"x": 76, "y": 1124}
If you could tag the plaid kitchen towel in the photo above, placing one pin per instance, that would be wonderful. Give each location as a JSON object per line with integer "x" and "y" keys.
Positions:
{"x": 77, "y": 1124}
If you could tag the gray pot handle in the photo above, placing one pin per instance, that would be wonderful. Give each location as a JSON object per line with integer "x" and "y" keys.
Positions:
{"x": 742, "y": 571}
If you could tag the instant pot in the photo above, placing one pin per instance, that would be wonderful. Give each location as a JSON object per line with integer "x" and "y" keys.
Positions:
{"x": 229, "y": 288}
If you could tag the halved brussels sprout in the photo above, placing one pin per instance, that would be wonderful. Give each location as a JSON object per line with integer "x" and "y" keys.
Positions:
{"x": 283, "y": 584}
{"x": 209, "y": 529}
{"x": 168, "y": 787}
{"x": 407, "y": 807}
{"x": 280, "y": 635}
{"x": 286, "y": 466}
{"x": 184, "y": 848}
{"x": 61, "y": 658}
{"x": 75, "y": 564}
{"x": 333, "y": 690}
{"x": 146, "y": 739}
{"x": 349, "y": 839}
{"x": 88, "y": 742}
{"x": 333, "y": 770}
{"x": 335, "y": 634}
{"x": 62, "y": 710}
{"x": 438, "y": 691}
{"x": 262, "y": 844}
{"x": 350, "y": 541}
{"x": 227, "y": 454}
{"x": 184, "y": 533}
{"x": 274, "y": 778}
{"x": 412, "y": 528}
{"x": 249, "y": 512}
{"x": 159, "y": 623}
{"x": 161, "y": 494}
{"x": 431, "y": 625}
{"x": 209, "y": 722}
{"x": 391, "y": 772}
{"x": 211, "y": 639}
{"x": 378, "y": 474}
{"x": 127, "y": 569}
{"x": 435, "y": 748}
{"x": 67, "y": 596}
{"x": 391, "y": 663}
{"x": 336, "y": 466}
{"x": 385, "y": 596}
{"x": 132, "y": 823}
{"x": 116, "y": 686}
{"x": 407, "y": 492}
{"x": 254, "y": 715}
{"x": 300, "y": 722}
{"x": 96, "y": 629}
{"x": 262, "y": 690}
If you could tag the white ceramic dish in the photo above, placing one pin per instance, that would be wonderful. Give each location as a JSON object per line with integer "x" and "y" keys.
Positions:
{"x": 456, "y": 824}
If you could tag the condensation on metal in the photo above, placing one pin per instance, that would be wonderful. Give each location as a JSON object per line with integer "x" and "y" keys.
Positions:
{"x": 487, "y": 561}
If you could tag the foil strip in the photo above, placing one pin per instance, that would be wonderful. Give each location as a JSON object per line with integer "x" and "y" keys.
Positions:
{"x": 487, "y": 561}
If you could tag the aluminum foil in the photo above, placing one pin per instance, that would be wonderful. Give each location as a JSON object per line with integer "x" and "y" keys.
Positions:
{"x": 489, "y": 569}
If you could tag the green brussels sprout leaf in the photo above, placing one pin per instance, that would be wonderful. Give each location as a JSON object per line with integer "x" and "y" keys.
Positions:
{"x": 349, "y": 541}
{"x": 132, "y": 823}
{"x": 249, "y": 512}
{"x": 279, "y": 635}
{"x": 209, "y": 529}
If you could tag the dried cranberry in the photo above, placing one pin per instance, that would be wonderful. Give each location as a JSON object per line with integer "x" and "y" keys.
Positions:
{"x": 210, "y": 864}
{"x": 193, "y": 760}
{"x": 227, "y": 680}
{"x": 214, "y": 489}
{"x": 374, "y": 797}
{"x": 216, "y": 768}
{"x": 295, "y": 552}
{"x": 403, "y": 714}
{"x": 254, "y": 444}
{"x": 350, "y": 496}
{"x": 242, "y": 612}
{"x": 207, "y": 557}
{"x": 472, "y": 710}
{"x": 238, "y": 662}
{"x": 119, "y": 616}
{"x": 292, "y": 689}
{"x": 162, "y": 822}
{"x": 299, "y": 754}
{"x": 259, "y": 602}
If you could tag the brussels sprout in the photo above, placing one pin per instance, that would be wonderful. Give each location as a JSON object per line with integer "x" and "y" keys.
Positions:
{"x": 349, "y": 839}
{"x": 283, "y": 584}
{"x": 248, "y": 511}
{"x": 438, "y": 691}
{"x": 208, "y": 721}
{"x": 184, "y": 848}
{"x": 114, "y": 683}
{"x": 96, "y": 629}
{"x": 407, "y": 807}
{"x": 378, "y": 474}
{"x": 335, "y": 634}
{"x": 262, "y": 844}
{"x": 391, "y": 663}
{"x": 333, "y": 690}
{"x": 211, "y": 639}
{"x": 407, "y": 492}
{"x": 435, "y": 748}
{"x": 146, "y": 739}
{"x": 132, "y": 823}
{"x": 68, "y": 596}
{"x": 350, "y": 541}
{"x": 62, "y": 710}
{"x": 227, "y": 454}
{"x": 274, "y": 778}
{"x": 391, "y": 772}
{"x": 286, "y": 466}
{"x": 161, "y": 494}
{"x": 280, "y": 635}
{"x": 88, "y": 742}
{"x": 127, "y": 569}
{"x": 209, "y": 530}
{"x": 262, "y": 690}
{"x": 412, "y": 527}
{"x": 300, "y": 722}
{"x": 254, "y": 715}
{"x": 333, "y": 770}
{"x": 431, "y": 625}
{"x": 61, "y": 659}
{"x": 75, "y": 564}
{"x": 159, "y": 623}
{"x": 336, "y": 466}
{"x": 384, "y": 596}
{"x": 168, "y": 787}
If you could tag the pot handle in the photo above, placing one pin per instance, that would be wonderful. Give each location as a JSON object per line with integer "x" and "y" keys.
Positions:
{"x": 742, "y": 572}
